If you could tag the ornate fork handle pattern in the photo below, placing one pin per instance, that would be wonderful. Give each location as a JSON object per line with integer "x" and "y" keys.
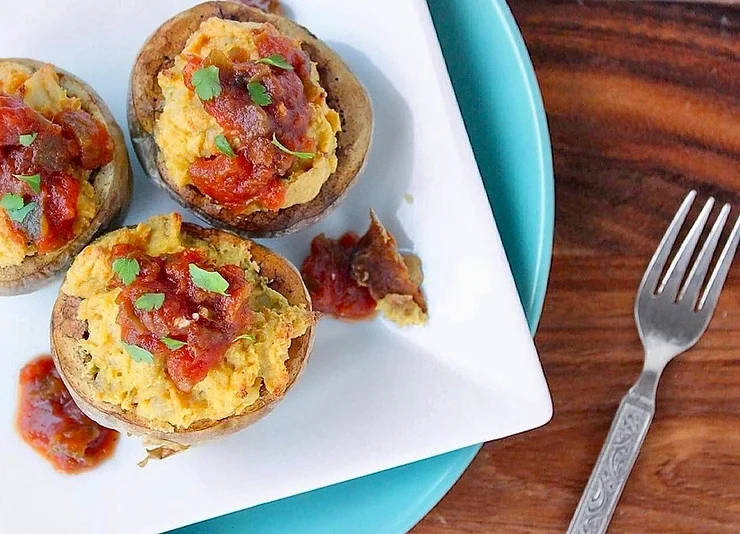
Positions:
{"x": 618, "y": 455}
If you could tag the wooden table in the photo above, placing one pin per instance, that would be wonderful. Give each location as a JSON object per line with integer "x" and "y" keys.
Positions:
{"x": 643, "y": 103}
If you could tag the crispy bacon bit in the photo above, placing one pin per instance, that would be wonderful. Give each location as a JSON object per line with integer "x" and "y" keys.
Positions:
{"x": 377, "y": 265}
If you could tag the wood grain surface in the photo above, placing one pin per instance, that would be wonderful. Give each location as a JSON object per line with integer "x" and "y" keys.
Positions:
{"x": 643, "y": 103}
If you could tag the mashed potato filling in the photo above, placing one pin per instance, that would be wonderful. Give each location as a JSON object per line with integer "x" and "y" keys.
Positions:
{"x": 185, "y": 132}
{"x": 41, "y": 91}
{"x": 145, "y": 389}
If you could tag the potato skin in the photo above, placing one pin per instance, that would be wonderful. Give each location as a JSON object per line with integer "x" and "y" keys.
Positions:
{"x": 345, "y": 93}
{"x": 67, "y": 331}
{"x": 114, "y": 181}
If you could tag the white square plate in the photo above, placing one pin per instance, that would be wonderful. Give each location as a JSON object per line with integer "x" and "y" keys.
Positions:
{"x": 373, "y": 396}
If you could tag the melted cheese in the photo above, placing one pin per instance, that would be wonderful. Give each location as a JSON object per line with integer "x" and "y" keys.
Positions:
{"x": 185, "y": 132}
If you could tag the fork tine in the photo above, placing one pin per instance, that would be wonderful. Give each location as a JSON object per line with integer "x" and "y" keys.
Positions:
{"x": 676, "y": 271}
{"x": 658, "y": 261}
{"x": 695, "y": 280}
{"x": 717, "y": 280}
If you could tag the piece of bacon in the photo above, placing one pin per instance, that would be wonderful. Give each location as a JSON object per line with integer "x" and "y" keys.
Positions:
{"x": 377, "y": 264}
{"x": 50, "y": 150}
{"x": 93, "y": 143}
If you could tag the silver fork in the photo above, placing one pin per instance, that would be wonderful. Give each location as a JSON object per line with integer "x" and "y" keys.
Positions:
{"x": 671, "y": 315}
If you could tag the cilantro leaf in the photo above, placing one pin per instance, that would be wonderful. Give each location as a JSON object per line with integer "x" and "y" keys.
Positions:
{"x": 150, "y": 301}
{"x": 13, "y": 205}
{"x": 27, "y": 139}
{"x": 206, "y": 84}
{"x": 21, "y": 214}
{"x": 127, "y": 269}
{"x": 223, "y": 146}
{"x": 300, "y": 155}
{"x": 276, "y": 60}
{"x": 208, "y": 280}
{"x": 173, "y": 344}
{"x": 248, "y": 337}
{"x": 34, "y": 181}
{"x": 11, "y": 202}
{"x": 137, "y": 353}
{"x": 259, "y": 94}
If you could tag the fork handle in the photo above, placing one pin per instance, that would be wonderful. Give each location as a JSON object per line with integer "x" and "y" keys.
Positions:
{"x": 618, "y": 455}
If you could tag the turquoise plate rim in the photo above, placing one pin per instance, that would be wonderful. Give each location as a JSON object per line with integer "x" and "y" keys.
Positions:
{"x": 374, "y": 503}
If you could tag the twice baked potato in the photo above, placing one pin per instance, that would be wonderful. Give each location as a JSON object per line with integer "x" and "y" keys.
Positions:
{"x": 178, "y": 333}
{"x": 247, "y": 119}
{"x": 64, "y": 171}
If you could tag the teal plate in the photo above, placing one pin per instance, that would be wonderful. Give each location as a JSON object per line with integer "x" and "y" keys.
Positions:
{"x": 502, "y": 108}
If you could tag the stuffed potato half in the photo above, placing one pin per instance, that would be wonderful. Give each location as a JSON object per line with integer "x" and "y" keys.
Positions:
{"x": 64, "y": 171}
{"x": 180, "y": 334}
{"x": 247, "y": 119}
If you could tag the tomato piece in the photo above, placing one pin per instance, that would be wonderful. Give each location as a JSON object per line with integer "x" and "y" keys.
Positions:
{"x": 328, "y": 277}
{"x": 235, "y": 181}
{"x": 59, "y": 192}
{"x": 269, "y": 42}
